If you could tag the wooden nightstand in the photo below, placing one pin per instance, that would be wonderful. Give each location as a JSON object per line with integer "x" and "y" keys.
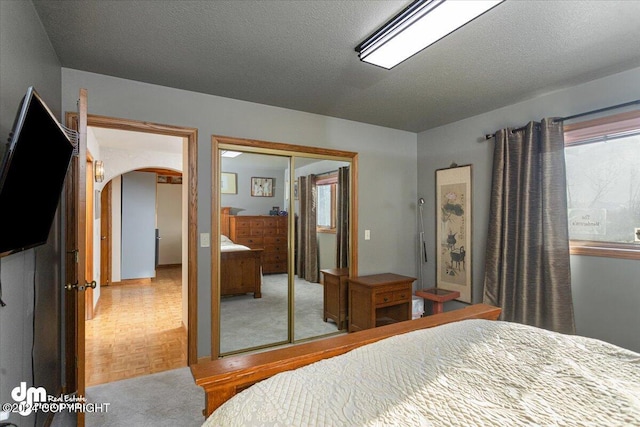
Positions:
{"x": 378, "y": 300}
{"x": 336, "y": 285}
{"x": 438, "y": 297}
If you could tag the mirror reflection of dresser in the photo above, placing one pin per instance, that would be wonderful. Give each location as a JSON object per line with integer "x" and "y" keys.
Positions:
{"x": 263, "y": 232}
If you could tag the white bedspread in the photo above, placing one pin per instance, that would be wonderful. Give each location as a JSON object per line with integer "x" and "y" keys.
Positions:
{"x": 230, "y": 247}
{"x": 474, "y": 372}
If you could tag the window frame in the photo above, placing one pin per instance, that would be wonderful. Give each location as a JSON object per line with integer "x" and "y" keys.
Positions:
{"x": 332, "y": 180}
{"x": 574, "y": 134}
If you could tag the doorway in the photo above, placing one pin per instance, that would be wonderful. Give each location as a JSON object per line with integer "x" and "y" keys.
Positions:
{"x": 189, "y": 146}
{"x": 138, "y": 326}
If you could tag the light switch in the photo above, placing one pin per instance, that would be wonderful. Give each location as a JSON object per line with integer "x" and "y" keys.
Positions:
{"x": 367, "y": 234}
{"x": 205, "y": 242}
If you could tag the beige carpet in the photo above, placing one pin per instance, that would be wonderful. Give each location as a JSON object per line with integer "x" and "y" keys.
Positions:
{"x": 248, "y": 322}
{"x": 168, "y": 398}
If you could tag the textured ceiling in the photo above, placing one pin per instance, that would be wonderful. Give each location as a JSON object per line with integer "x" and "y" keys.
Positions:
{"x": 300, "y": 54}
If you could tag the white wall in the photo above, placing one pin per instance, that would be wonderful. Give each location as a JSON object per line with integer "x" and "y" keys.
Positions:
{"x": 386, "y": 201}
{"x": 245, "y": 204}
{"x": 94, "y": 149}
{"x": 28, "y": 59}
{"x": 185, "y": 236}
{"x": 118, "y": 162}
{"x": 116, "y": 229}
{"x": 138, "y": 225}
{"x": 606, "y": 292}
{"x": 169, "y": 214}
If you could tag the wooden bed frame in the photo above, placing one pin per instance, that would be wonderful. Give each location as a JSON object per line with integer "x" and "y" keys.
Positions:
{"x": 240, "y": 271}
{"x": 224, "y": 378}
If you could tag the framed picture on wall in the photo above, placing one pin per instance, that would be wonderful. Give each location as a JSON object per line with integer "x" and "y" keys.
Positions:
{"x": 229, "y": 183}
{"x": 262, "y": 187}
{"x": 453, "y": 230}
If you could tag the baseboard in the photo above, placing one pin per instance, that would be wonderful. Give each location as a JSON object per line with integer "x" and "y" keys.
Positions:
{"x": 204, "y": 359}
{"x": 168, "y": 266}
{"x": 141, "y": 281}
{"x": 95, "y": 308}
{"x": 49, "y": 419}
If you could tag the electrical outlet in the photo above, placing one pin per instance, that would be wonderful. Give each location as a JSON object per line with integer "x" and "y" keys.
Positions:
{"x": 636, "y": 232}
{"x": 367, "y": 234}
{"x": 205, "y": 241}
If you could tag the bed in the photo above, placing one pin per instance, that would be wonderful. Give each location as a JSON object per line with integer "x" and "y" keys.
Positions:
{"x": 240, "y": 266}
{"x": 467, "y": 370}
{"x": 240, "y": 269}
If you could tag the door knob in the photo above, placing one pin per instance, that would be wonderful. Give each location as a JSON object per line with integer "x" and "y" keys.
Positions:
{"x": 103, "y": 237}
{"x": 72, "y": 286}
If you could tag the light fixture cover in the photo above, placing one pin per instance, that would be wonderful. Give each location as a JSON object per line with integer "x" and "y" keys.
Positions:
{"x": 98, "y": 170}
{"x": 421, "y": 24}
{"x": 231, "y": 154}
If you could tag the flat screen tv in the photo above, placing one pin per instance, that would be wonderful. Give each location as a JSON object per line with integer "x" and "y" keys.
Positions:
{"x": 32, "y": 175}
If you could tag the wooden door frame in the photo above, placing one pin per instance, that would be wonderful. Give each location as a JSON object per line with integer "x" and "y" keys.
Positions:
{"x": 88, "y": 293}
{"x": 105, "y": 234}
{"x": 191, "y": 137}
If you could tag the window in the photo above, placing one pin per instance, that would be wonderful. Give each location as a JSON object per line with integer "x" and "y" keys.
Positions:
{"x": 326, "y": 206}
{"x": 603, "y": 186}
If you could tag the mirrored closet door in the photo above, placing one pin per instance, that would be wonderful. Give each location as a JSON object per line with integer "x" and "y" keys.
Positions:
{"x": 283, "y": 215}
{"x": 317, "y": 207}
{"x": 254, "y": 281}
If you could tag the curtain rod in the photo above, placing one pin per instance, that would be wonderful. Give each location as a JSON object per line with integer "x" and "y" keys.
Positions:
{"x": 327, "y": 173}
{"x": 575, "y": 116}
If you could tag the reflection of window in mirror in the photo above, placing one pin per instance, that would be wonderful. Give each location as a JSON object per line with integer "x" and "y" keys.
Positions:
{"x": 326, "y": 203}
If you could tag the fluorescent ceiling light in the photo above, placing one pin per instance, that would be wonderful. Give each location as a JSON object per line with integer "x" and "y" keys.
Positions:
{"x": 421, "y": 24}
{"x": 227, "y": 153}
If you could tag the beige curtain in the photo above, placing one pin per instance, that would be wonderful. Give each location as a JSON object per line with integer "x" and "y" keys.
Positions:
{"x": 308, "y": 266}
{"x": 342, "y": 219}
{"x": 527, "y": 270}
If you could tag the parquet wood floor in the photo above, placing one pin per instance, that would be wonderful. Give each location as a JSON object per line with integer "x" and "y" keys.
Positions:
{"x": 137, "y": 329}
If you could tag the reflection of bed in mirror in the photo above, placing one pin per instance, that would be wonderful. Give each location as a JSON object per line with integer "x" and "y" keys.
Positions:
{"x": 240, "y": 266}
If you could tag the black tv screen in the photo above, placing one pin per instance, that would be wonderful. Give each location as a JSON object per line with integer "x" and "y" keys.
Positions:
{"x": 32, "y": 175}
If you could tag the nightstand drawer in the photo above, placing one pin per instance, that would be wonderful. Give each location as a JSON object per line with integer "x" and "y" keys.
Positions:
{"x": 378, "y": 299}
{"x": 384, "y": 297}
{"x": 402, "y": 296}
